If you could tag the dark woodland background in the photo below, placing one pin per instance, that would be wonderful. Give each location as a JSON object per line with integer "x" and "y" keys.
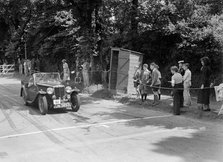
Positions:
{"x": 166, "y": 31}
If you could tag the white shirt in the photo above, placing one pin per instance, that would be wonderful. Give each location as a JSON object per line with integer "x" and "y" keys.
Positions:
{"x": 176, "y": 79}
{"x": 187, "y": 76}
{"x": 159, "y": 74}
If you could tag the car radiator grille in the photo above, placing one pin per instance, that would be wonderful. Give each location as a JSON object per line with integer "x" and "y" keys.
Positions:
{"x": 59, "y": 92}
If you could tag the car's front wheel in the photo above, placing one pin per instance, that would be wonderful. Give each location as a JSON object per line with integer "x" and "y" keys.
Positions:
{"x": 75, "y": 102}
{"x": 43, "y": 105}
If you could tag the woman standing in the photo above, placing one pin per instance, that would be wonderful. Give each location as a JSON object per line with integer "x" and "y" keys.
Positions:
{"x": 187, "y": 84}
{"x": 144, "y": 82}
{"x": 204, "y": 93}
{"x": 177, "y": 84}
{"x": 136, "y": 79}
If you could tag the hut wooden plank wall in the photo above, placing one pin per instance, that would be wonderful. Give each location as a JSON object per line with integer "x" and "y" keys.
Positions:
{"x": 122, "y": 70}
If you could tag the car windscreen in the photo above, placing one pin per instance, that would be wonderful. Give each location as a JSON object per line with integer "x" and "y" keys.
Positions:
{"x": 47, "y": 78}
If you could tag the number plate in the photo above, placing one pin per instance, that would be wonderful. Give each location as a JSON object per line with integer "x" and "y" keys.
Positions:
{"x": 65, "y": 104}
{"x": 56, "y": 102}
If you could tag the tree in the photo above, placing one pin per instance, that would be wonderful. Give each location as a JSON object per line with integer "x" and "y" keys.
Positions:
{"x": 164, "y": 30}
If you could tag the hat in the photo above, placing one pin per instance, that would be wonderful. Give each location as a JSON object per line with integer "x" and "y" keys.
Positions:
{"x": 63, "y": 60}
{"x": 181, "y": 62}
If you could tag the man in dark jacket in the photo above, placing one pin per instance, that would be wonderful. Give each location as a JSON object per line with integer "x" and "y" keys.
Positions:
{"x": 180, "y": 69}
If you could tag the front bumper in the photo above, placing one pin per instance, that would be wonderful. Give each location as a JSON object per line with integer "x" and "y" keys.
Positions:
{"x": 58, "y": 103}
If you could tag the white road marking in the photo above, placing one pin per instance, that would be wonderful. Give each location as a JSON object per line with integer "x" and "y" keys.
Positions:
{"x": 106, "y": 126}
{"x": 11, "y": 95}
{"x": 83, "y": 126}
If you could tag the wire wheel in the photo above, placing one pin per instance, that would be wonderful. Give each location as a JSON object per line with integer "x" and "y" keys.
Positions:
{"x": 43, "y": 105}
{"x": 75, "y": 102}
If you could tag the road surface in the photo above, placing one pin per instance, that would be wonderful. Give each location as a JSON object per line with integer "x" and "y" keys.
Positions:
{"x": 102, "y": 131}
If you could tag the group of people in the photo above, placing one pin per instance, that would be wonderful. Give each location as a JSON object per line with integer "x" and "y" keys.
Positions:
{"x": 144, "y": 79}
{"x": 27, "y": 66}
{"x": 180, "y": 81}
{"x": 84, "y": 70}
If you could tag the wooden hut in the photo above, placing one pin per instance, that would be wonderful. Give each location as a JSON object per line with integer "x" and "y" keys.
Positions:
{"x": 122, "y": 69}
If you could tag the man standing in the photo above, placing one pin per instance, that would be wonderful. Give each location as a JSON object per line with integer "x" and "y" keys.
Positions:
{"x": 85, "y": 70}
{"x": 37, "y": 62}
{"x": 32, "y": 65}
{"x": 66, "y": 71}
{"x": 143, "y": 87}
{"x": 20, "y": 65}
{"x": 28, "y": 64}
{"x": 187, "y": 84}
{"x": 25, "y": 67}
{"x": 181, "y": 71}
{"x": 160, "y": 77}
{"x": 155, "y": 82}
{"x": 177, "y": 84}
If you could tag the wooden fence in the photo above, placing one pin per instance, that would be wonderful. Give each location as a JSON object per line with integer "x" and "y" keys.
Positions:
{"x": 7, "y": 69}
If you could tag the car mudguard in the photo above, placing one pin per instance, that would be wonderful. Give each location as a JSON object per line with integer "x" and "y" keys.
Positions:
{"x": 41, "y": 92}
{"x": 75, "y": 91}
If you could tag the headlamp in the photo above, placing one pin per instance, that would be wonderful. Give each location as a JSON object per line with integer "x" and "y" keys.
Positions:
{"x": 50, "y": 90}
{"x": 68, "y": 89}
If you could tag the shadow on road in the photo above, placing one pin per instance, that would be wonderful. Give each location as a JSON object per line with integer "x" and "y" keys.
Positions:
{"x": 199, "y": 146}
{"x": 187, "y": 139}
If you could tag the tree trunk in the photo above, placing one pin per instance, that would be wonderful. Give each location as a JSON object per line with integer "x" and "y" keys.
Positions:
{"x": 134, "y": 22}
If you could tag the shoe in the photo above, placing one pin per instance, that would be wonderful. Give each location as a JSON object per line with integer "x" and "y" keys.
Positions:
{"x": 207, "y": 110}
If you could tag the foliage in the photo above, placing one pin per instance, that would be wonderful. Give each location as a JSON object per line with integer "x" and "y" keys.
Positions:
{"x": 164, "y": 30}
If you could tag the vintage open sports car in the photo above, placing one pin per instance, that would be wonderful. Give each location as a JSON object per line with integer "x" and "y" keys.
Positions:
{"x": 48, "y": 92}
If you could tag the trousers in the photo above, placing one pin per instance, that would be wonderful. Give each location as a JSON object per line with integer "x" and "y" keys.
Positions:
{"x": 177, "y": 98}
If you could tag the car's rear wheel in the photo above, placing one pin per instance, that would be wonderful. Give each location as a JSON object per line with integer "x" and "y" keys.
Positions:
{"x": 75, "y": 102}
{"x": 24, "y": 98}
{"x": 43, "y": 105}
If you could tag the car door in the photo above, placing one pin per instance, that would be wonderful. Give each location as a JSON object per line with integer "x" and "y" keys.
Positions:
{"x": 31, "y": 90}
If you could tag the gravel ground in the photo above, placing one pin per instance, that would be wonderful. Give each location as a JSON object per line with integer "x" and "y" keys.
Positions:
{"x": 166, "y": 106}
